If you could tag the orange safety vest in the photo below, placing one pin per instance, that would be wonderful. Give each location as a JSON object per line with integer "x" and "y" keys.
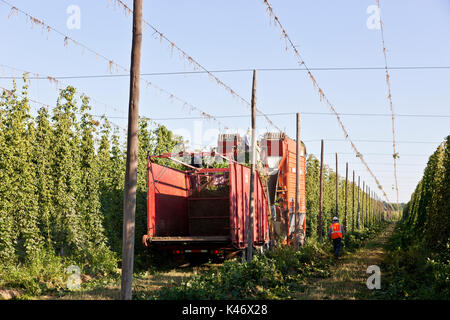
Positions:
{"x": 336, "y": 230}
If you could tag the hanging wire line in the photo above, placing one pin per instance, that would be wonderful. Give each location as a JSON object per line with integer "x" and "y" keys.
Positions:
{"x": 316, "y": 113}
{"x": 14, "y": 93}
{"x": 303, "y": 113}
{"x": 195, "y": 63}
{"x": 240, "y": 70}
{"x": 60, "y": 83}
{"x": 111, "y": 64}
{"x": 57, "y": 81}
{"x": 387, "y": 163}
{"x": 383, "y": 154}
{"x": 322, "y": 95}
{"x": 391, "y": 106}
{"x": 368, "y": 140}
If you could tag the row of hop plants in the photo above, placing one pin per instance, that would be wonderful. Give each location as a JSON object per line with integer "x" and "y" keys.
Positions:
{"x": 419, "y": 252}
{"x": 62, "y": 176}
{"x": 356, "y": 217}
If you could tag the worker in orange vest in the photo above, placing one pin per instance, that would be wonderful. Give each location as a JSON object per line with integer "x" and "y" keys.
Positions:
{"x": 336, "y": 233}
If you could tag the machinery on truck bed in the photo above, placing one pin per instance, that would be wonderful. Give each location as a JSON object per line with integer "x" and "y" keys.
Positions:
{"x": 277, "y": 159}
{"x": 202, "y": 210}
{"x": 278, "y": 153}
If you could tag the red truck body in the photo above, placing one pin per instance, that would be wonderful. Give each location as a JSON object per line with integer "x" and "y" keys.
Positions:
{"x": 186, "y": 215}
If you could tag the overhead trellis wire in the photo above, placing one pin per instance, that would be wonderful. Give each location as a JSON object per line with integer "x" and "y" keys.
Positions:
{"x": 53, "y": 80}
{"x": 194, "y": 62}
{"x": 42, "y": 104}
{"x": 388, "y": 84}
{"x": 322, "y": 95}
{"x": 111, "y": 64}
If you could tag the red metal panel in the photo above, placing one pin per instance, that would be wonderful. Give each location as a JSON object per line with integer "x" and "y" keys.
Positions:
{"x": 234, "y": 201}
{"x": 168, "y": 211}
{"x": 167, "y": 201}
{"x": 240, "y": 197}
{"x": 150, "y": 222}
{"x": 291, "y": 176}
{"x": 241, "y": 209}
{"x": 273, "y": 147}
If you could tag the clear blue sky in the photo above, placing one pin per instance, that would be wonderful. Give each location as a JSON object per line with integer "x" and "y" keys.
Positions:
{"x": 237, "y": 34}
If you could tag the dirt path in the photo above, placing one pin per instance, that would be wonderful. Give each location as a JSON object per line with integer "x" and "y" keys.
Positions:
{"x": 348, "y": 280}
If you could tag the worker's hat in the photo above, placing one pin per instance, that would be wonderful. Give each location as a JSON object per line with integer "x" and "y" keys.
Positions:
{"x": 335, "y": 219}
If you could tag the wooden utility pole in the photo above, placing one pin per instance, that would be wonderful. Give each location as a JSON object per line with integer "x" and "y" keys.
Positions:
{"x": 337, "y": 188}
{"x": 299, "y": 234}
{"x": 362, "y": 204}
{"x": 346, "y": 191}
{"x": 357, "y": 220}
{"x": 129, "y": 199}
{"x": 252, "y": 175}
{"x": 369, "y": 205}
{"x": 366, "y": 222}
{"x": 353, "y": 202}
{"x": 373, "y": 207}
{"x": 319, "y": 220}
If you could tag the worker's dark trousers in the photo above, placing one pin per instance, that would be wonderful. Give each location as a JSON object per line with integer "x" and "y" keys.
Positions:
{"x": 337, "y": 243}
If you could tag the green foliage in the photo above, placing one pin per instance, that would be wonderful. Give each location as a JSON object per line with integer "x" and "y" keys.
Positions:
{"x": 276, "y": 275}
{"x": 413, "y": 271}
{"x": 357, "y": 239}
{"x": 62, "y": 190}
{"x": 419, "y": 252}
{"x": 427, "y": 215}
{"x": 18, "y": 208}
{"x": 353, "y": 216}
{"x": 45, "y": 272}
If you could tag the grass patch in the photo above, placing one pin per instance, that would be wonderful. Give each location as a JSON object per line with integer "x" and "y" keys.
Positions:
{"x": 275, "y": 275}
{"x": 414, "y": 272}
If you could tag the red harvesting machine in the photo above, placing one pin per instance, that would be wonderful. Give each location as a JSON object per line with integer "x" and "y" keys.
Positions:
{"x": 202, "y": 210}
{"x": 278, "y": 154}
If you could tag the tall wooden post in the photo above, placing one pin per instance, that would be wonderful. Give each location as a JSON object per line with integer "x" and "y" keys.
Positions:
{"x": 369, "y": 206}
{"x": 358, "y": 217}
{"x": 252, "y": 175}
{"x": 337, "y": 188}
{"x": 129, "y": 202}
{"x": 374, "y": 207}
{"x": 353, "y": 203}
{"x": 299, "y": 230}
{"x": 362, "y": 205}
{"x": 319, "y": 220}
{"x": 363, "y": 211}
{"x": 346, "y": 191}
{"x": 366, "y": 203}
{"x": 378, "y": 209}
